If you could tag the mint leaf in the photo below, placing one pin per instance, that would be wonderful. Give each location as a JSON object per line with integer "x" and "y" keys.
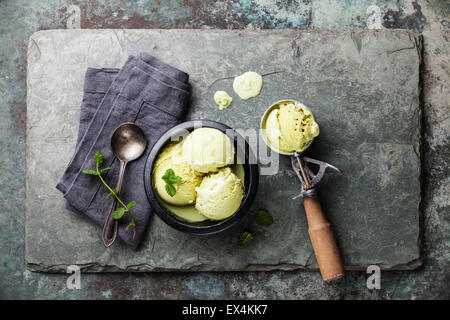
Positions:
{"x": 118, "y": 213}
{"x": 90, "y": 171}
{"x": 168, "y": 175}
{"x": 170, "y": 189}
{"x": 106, "y": 169}
{"x": 245, "y": 239}
{"x": 264, "y": 217}
{"x": 99, "y": 157}
{"x": 131, "y": 204}
{"x": 170, "y": 178}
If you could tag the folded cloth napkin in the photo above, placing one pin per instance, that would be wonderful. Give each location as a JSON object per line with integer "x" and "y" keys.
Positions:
{"x": 146, "y": 91}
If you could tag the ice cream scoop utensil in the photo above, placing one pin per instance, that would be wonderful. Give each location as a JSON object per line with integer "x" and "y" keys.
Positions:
{"x": 128, "y": 143}
{"x": 319, "y": 229}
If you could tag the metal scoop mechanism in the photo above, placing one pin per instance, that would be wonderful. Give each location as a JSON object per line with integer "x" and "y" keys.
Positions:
{"x": 308, "y": 179}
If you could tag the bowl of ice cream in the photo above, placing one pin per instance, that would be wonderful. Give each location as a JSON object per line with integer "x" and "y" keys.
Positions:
{"x": 288, "y": 126}
{"x": 201, "y": 177}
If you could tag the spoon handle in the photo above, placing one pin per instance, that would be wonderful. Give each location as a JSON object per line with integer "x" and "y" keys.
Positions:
{"x": 109, "y": 232}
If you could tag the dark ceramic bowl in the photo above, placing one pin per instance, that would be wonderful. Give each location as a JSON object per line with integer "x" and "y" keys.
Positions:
{"x": 251, "y": 178}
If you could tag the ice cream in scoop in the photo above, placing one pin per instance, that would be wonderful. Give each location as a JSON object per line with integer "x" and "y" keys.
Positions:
{"x": 207, "y": 150}
{"x": 219, "y": 195}
{"x": 290, "y": 126}
{"x": 171, "y": 158}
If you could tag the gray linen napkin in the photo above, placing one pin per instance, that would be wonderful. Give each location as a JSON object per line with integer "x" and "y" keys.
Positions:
{"x": 146, "y": 91}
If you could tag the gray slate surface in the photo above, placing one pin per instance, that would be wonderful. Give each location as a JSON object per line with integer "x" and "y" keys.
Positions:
{"x": 363, "y": 87}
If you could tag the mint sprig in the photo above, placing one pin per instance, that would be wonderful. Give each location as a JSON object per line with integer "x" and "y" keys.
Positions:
{"x": 119, "y": 212}
{"x": 170, "y": 179}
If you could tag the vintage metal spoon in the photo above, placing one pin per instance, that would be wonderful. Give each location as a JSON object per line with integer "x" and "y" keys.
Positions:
{"x": 128, "y": 143}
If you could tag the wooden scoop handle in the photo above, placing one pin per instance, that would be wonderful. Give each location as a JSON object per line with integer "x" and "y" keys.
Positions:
{"x": 322, "y": 239}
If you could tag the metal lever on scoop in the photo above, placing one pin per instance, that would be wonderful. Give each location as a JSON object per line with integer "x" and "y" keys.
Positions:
{"x": 307, "y": 177}
{"x": 319, "y": 229}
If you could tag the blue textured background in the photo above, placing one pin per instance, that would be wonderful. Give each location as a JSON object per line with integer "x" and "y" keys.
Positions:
{"x": 19, "y": 19}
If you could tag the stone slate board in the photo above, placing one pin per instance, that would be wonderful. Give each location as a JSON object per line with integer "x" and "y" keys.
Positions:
{"x": 363, "y": 87}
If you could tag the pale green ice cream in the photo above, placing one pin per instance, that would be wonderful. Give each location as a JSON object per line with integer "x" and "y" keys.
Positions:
{"x": 186, "y": 213}
{"x": 290, "y": 127}
{"x": 190, "y": 213}
{"x": 198, "y": 197}
{"x": 171, "y": 158}
{"x": 207, "y": 150}
{"x": 223, "y": 99}
{"x": 248, "y": 85}
{"x": 219, "y": 195}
